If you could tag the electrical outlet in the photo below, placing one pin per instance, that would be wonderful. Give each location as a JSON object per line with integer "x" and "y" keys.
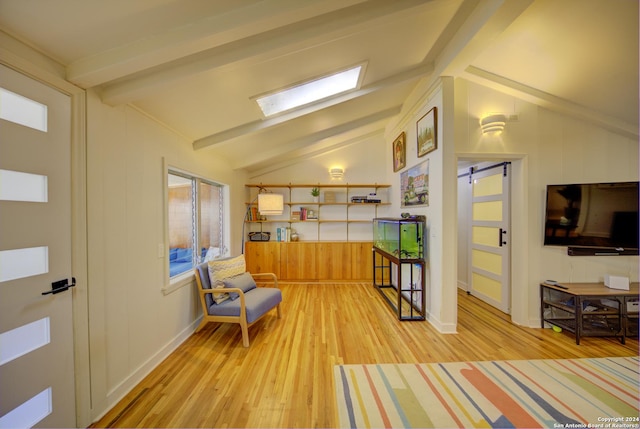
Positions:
{"x": 160, "y": 250}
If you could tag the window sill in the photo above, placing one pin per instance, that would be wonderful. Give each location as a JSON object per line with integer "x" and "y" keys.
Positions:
{"x": 178, "y": 282}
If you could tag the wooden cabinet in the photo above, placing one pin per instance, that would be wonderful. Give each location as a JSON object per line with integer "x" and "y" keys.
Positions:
{"x": 311, "y": 261}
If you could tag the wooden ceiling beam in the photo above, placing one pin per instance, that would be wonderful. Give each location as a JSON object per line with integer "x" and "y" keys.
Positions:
{"x": 258, "y": 47}
{"x": 256, "y": 126}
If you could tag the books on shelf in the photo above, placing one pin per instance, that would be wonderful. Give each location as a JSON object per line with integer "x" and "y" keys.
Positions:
{"x": 252, "y": 214}
{"x": 283, "y": 234}
{"x": 306, "y": 214}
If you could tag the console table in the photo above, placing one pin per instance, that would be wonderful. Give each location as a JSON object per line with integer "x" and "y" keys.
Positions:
{"x": 590, "y": 309}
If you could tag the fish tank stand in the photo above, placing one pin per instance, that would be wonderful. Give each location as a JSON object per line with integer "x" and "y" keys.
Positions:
{"x": 398, "y": 264}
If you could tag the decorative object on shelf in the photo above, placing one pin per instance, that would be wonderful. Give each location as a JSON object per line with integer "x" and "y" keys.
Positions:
{"x": 414, "y": 185}
{"x": 493, "y": 124}
{"x": 399, "y": 152}
{"x": 329, "y": 197}
{"x": 259, "y": 236}
{"x": 315, "y": 193}
{"x": 426, "y": 128}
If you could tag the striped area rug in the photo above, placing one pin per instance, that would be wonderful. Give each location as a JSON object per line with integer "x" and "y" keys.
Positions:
{"x": 563, "y": 393}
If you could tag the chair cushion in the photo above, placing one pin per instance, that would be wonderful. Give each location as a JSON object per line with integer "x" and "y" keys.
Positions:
{"x": 243, "y": 282}
{"x": 203, "y": 272}
{"x": 258, "y": 301}
{"x": 221, "y": 269}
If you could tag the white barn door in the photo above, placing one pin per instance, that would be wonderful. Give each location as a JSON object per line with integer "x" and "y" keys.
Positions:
{"x": 490, "y": 232}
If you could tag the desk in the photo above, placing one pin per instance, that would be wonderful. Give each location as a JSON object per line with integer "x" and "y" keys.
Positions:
{"x": 589, "y": 309}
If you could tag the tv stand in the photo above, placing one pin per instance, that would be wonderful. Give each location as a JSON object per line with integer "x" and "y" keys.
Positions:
{"x": 590, "y": 309}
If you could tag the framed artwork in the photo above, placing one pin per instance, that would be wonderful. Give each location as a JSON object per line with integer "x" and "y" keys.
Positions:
{"x": 414, "y": 185}
{"x": 399, "y": 152}
{"x": 426, "y": 128}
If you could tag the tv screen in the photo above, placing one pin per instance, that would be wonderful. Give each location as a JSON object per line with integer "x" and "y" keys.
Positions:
{"x": 599, "y": 215}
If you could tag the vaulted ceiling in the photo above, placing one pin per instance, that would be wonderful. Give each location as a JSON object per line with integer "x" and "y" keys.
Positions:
{"x": 197, "y": 65}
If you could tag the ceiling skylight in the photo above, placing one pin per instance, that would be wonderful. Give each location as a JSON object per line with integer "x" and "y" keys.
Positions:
{"x": 309, "y": 92}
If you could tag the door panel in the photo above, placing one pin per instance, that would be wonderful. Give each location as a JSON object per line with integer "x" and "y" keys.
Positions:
{"x": 489, "y": 247}
{"x": 36, "y": 331}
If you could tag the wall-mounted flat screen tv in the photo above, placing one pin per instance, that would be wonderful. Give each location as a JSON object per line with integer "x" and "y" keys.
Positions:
{"x": 592, "y": 215}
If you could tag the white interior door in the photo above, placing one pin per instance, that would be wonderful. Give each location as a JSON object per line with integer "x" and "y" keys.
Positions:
{"x": 37, "y": 386}
{"x": 489, "y": 258}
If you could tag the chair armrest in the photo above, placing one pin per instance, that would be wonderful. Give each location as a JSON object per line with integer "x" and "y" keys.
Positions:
{"x": 221, "y": 290}
{"x": 272, "y": 277}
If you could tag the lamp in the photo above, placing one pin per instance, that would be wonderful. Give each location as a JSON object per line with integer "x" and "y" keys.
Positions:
{"x": 336, "y": 172}
{"x": 270, "y": 204}
{"x": 493, "y": 123}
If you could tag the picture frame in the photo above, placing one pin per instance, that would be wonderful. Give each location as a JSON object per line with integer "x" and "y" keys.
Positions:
{"x": 399, "y": 155}
{"x": 414, "y": 185}
{"x": 427, "y": 132}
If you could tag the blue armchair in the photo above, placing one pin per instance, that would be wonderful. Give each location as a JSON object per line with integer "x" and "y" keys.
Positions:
{"x": 229, "y": 294}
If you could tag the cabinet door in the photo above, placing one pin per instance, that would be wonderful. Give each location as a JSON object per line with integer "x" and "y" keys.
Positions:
{"x": 298, "y": 261}
{"x": 334, "y": 261}
{"x": 361, "y": 260}
{"x": 263, "y": 257}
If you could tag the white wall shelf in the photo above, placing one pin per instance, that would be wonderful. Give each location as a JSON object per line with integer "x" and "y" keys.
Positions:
{"x": 339, "y": 219}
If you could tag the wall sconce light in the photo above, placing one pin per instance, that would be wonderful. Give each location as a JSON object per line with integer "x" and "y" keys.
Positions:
{"x": 493, "y": 123}
{"x": 270, "y": 204}
{"x": 336, "y": 172}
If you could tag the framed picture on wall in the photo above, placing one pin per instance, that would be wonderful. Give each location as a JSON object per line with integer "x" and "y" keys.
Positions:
{"x": 414, "y": 185}
{"x": 399, "y": 152}
{"x": 426, "y": 128}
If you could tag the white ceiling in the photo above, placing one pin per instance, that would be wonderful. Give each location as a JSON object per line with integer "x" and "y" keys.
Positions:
{"x": 196, "y": 65}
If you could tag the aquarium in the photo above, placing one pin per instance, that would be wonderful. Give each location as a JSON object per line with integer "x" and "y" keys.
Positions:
{"x": 400, "y": 237}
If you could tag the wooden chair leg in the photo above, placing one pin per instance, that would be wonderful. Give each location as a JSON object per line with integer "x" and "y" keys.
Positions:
{"x": 245, "y": 333}
{"x": 278, "y": 310}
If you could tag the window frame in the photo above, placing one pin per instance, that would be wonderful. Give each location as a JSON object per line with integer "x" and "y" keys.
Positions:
{"x": 171, "y": 284}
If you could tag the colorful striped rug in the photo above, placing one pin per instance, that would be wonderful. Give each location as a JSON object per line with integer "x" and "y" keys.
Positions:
{"x": 563, "y": 393}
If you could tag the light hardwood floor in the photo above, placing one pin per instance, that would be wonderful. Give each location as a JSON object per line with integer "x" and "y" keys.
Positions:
{"x": 285, "y": 378}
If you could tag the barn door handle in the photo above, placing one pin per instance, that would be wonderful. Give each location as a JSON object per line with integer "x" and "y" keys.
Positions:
{"x": 60, "y": 286}
{"x": 501, "y": 242}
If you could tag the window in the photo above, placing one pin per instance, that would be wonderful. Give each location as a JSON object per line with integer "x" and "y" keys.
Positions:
{"x": 310, "y": 92}
{"x": 195, "y": 219}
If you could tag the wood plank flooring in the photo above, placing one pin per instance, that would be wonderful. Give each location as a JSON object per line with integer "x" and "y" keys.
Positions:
{"x": 285, "y": 378}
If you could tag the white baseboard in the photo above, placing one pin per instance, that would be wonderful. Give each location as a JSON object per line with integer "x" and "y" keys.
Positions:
{"x": 116, "y": 394}
{"x": 443, "y": 328}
